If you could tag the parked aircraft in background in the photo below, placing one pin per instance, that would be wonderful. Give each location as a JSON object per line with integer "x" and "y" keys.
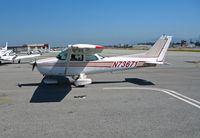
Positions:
{"x": 4, "y": 48}
{"x": 9, "y": 55}
{"x": 81, "y": 59}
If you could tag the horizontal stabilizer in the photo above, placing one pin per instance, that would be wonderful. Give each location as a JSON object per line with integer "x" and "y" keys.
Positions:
{"x": 159, "y": 63}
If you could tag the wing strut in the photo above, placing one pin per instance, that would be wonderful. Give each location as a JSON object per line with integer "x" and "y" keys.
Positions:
{"x": 69, "y": 52}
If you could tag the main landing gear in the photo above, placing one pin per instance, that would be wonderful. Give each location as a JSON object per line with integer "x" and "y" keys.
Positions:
{"x": 81, "y": 80}
{"x": 19, "y": 61}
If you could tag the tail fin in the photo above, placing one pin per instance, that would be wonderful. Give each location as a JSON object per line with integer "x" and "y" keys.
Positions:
{"x": 159, "y": 49}
{"x": 6, "y": 47}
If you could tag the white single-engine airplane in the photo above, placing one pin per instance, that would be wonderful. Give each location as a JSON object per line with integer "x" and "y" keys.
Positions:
{"x": 9, "y": 55}
{"x": 81, "y": 59}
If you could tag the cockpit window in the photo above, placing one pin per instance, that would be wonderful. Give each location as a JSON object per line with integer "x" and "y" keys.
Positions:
{"x": 101, "y": 56}
{"x": 62, "y": 55}
{"x": 90, "y": 58}
{"x": 76, "y": 57}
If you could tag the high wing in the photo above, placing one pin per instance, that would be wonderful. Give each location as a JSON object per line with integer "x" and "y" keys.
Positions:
{"x": 86, "y": 49}
{"x": 26, "y": 56}
{"x": 14, "y": 57}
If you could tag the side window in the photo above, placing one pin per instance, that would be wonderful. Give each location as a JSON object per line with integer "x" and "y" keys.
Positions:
{"x": 90, "y": 58}
{"x": 76, "y": 57}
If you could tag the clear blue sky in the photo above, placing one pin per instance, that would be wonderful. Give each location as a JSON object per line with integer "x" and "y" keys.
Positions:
{"x": 61, "y": 22}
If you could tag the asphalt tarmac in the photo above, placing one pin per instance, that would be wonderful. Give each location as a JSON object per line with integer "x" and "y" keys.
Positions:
{"x": 150, "y": 102}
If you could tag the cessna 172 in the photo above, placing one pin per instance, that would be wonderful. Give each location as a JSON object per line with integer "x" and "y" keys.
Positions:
{"x": 78, "y": 60}
{"x": 9, "y": 55}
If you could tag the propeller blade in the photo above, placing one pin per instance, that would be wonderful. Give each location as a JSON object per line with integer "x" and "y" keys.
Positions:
{"x": 34, "y": 64}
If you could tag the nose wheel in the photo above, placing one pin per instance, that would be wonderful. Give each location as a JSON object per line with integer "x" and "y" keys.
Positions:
{"x": 82, "y": 80}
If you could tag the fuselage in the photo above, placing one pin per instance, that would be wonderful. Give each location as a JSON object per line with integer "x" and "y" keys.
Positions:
{"x": 7, "y": 55}
{"x": 54, "y": 66}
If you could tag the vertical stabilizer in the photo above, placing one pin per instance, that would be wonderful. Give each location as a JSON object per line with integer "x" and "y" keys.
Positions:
{"x": 159, "y": 49}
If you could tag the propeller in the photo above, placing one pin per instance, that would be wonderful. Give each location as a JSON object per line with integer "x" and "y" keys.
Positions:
{"x": 34, "y": 64}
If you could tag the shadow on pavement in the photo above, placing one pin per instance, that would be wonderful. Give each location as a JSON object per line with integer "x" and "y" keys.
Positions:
{"x": 50, "y": 93}
{"x": 5, "y": 64}
{"x": 130, "y": 80}
{"x": 139, "y": 81}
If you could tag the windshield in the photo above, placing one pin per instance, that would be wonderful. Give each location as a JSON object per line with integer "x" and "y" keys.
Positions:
{"x": 62, "y": 55}
{"x": 101, "y": 56}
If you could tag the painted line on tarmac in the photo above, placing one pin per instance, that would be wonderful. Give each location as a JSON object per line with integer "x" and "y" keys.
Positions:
{"x": 172, "y": 93}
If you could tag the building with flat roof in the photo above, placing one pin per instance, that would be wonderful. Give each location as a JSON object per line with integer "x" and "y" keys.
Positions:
{"x": 32, "y": 48}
